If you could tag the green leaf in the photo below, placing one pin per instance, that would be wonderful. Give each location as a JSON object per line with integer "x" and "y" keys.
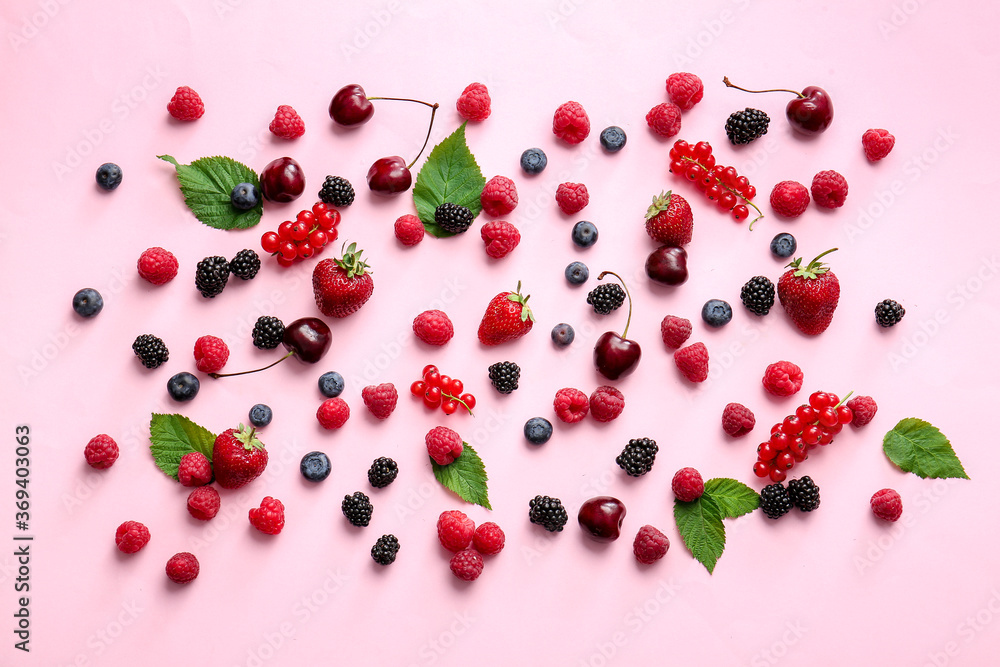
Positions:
{"x": 466, "y": 476}
{"x": 700, "y": 525}
{"x": 207, "y": 184}
{"x": 918, "y": 447}
{"x": 450, "y": 174}
{"x": 734, "y": 499}
{"x": 173, "y": 436}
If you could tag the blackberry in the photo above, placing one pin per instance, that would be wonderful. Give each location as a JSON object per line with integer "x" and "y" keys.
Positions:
{"x": 638, "y": 457}
{"x": 383, "y": 472}
{"x": 504, "y": 376}
{"x": 337, "y": 191}
{"x": 758, "y": 295}
{"x": 453, "y": 217}
{"x": 357, "y": 509}
{"x": 268, "y": 332}
{"x": 548, "y": 513}
{"x": 774, "y": 501}
{"x": 245, "y": 265}
{"x": 384, "y": 551}
{"x": 804, "y": 493}
{"x": 606, "y": 298}
{"x": 888, "y": 313}
{"x": 151, "y": 350}
{"x": 212, "y": 276}
{"x": 747, "y": 125}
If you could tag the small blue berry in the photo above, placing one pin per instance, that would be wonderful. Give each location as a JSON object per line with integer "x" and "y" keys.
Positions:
{"x": 577, "y": 273}
{"x": 613, "y": 139}
{"x": 331, "y": 384}
{"x": 315, "y": 466}
{"x": 88, "y": 302}
{"x": 538, "y": 430}
{"x": 783, "y": 245}
{"x": 244, "y": 196}
{"x": 563, "y": 334}
{"x": 260, "y": 415}
{"x": 716, "y": 313}
{"x": 533, "y": 161}
{"x": 109, "y": 176}
{"x": 183, "y": 387}
{"x": 584, "y": 234}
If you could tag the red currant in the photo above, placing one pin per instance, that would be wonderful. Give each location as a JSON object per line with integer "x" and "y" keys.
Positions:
{"x": 433, "y": 379}
{"x": 834, "y": 399}
{"x": 750, "y": 192}
{"x": 792, "y": 425}
{"x": 319, "y": 208}
{"x": 445, "y": 383}
{"x": 694, "y": 172}
{"x": 740, "y": 213}
{"x": 799, "y": 456}
{"x": 305, "y": 251}
{"x": 820, "y": 400}
{"x": 456, "y": 386}
{"x": 777, "y": 475}
{"x": 429, "y": 368}
{"x": 269, "y": 242}
{"x": 717, "y": 171}
{"x": 742, "y": 183}
{"x": 826, "y": 438}
{"x": 761, "y": 469}
{"x": 299, "y": 231}
{"x": 683, "y": 148}
{"x": 835, "y": 429}
{"x": 307, "y": 217}
{"x": 780, "y": 441}
{"x": 727, "y": 201}
{"x": 319, "y": 238}
{"x": 828, "y": 417}
{"x": 765, "y": 452}
{"x": 418, "y": 388}
{"x": 776, "y": 428}
{"x": 784, "y": 461}
{"x": 844, "y": 414}
{"x": 432, "y": 396}
{"x": 811, "y": 434}
{"x": 798, "y": 446}
{"x": 674, "y": 154}
{"x": 807, "y": 414}
{"x": 703, "y": 183}
{"x": 289, "y": 251}
{"x": 448, "y": 407}
{"x": 714, "y": 192}
{"x": 729, "y": 177}
{"x": 469, "y": 400}
{"x": 701, "y": 150}
{"x": 708, "y": 161}
{"x": 284, "y": 261}
{"x": 677, "y": 167}
{"x": 328, "y": 219}
{"x": 285, "y": 230}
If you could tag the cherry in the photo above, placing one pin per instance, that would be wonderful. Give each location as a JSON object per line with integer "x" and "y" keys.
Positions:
{"x": 350, "y": 106}
{"x": 602, "y": 518}
{"x": 307, "y": 338}
{"x": 282, "y": 180}
{"x": 391, "y": 175}
{"x": 667, "y": 265}
{"x": 810, "y": 113}
{"x": 615, "y": 356}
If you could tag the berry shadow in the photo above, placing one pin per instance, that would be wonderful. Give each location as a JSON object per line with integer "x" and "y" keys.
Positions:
{"x": 592, "y": 545}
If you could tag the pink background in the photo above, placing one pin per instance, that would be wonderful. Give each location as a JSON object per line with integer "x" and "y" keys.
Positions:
{"x": 88, "y": 83}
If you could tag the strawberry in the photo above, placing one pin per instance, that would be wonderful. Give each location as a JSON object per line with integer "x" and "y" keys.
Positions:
{"x": 809, "y": 295}
{"x": 238, "y": 457}
{"x": 342, "y": 285}
{"x": 669, "y": 220}
{"x": 508, "y": 317}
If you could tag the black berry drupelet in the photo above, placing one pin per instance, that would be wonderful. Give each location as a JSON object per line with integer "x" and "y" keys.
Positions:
{"x": 638, "y": 456}
{"x": 211, "y": 276}
{"x": 383, "y": 472}
{"x": 504, "y": 376}
{"x": 888, "y": 313}
{"x": 453, "y": 217}
{"x": 384, "y": 551}
{"x": 245, "y": 265}
{"x": 747, "y": 125}
{"x": 774, "y": 500}
{"x": 758, "y": 295}
{"x": 268, "y": 332}
{"x": 804, "y": 493}
{"x": 548, "y": 513}
{"x": 357, "y": 508}
{"x": 606, "y": 298}
{"x": 151, "y": 350}
{"x": 337, "y": 191}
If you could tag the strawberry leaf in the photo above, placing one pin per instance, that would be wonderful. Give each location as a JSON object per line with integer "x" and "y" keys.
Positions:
{"x": 450, "y": 174}
{"x": 466, "y": 476}
{"x": 173, "y": 436}
{"x": 734, "y": 499}
{"x": 918, "y": 447}
{"x": 207, "y": 184}
{"x": 700, "y": 525}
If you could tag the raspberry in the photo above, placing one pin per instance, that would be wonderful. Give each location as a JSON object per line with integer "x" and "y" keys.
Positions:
{"x": 101, "y": 452}
{"x": 606, "y": 403}
{"x": 382, "y": 472}
{"x": 877, "y": 144}
{"x": 774, "y": 501}
{"x": 887, "y": 505}
{"x": 194, "y": 469}
{"x": 665, "y": 119}
{"x": 864, "y": 409}
{"x": 737, "y": 420}
{"x": 384, "y": 550}
{"x": 182, "y": 568}
{"x": 287, "y": 123}
{"x": 692, "y": 361}
{"x": 210, "y": 354}
{"x": 380, "y": 399}
{"x": 684, "y": 89}
{"x": 572, "y": 197}
{"x": 571, "y": 123}
{"x": 203, "y": 503}
{"x": 455, "y": 530}
{"x": 499, "y": 196}
{"x": 571, "y": 405}
{"x": 548, "y": 513}
{"x": 675, "y": 331}
{"x": 687, "y": 485}
{"x": 443, "y": 444}
{"x": 186, "y": 104}
{"x": 157, "y": 266}
{"x": 782, "y": 378}
{"x": 467, "y": 565}
{"x": 357, "y": 508}
{"x": 433, "y": 327}
{"x": 131, "y": 536}
{"x": 489, "y": 539}
{"x": 829, "y": 189}
{"x": 269, "y": 518}
{"x": 500, "y": 238}
{"x": 333, "y": 413}
{"x": 408, "y": 229}
{"x": 650, "y": 545}
{"x": 151, "y": 350}
{"x": 474, "y": 102}
{"x": 789, "y": 199}
{"x": 638, "y": 456}
{"x": 804, "y": 493}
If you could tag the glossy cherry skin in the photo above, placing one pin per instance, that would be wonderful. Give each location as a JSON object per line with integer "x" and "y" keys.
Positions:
{"x": 667, "y": 265}
{"x": 309, "y": 338}
{"x": 812, "y": 113}
{"x": 350, "y": 106}
{"x": 389, "y": 176}
{"x": 282, "y": 180}
{"x": 602, "y": 518}
{"x": 614, "y": 356}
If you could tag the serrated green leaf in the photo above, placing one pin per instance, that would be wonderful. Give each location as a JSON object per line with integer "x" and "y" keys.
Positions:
{"x": 700, "y": 525}
{"x": 916, "y": 446}
{"x": 173, "y": 436}
{"x": 466, "y": 476}
{"x": 207, "y": 184}
{"x": 734, "y": 499}
{"x": 450, "y": 174}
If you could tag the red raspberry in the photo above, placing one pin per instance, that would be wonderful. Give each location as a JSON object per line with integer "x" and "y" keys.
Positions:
{"x": 194, "y": 470}
{"x": 131, "y": 536}
{"x": 210, "y": 354}
{"x": 877, "y": 144}
{"x": 489, "y": 539}
{"x": 186, "y": 104}
{"x": 665, "y": 119}
{"x": 182, "y": 568}
{"x": 157, "y": 265}
{"x": 692, "y": 361}
{"x": 650, "y": 545}
{"x": 455, "y": 530}
{"x": 433, "y": 327}
{"x": 499, "y": 196}
{"x": 572, "y": 197}
{"x": 203, "y": 503}
{"x": 333, "y": 413}
{"x": 409, "y": 230}
{"x": 269, "y": 518}
{"x": 287, "y": 123}
{"x": 675, "y": 331}
{"x": 829, "y": 189}
{"x": 500, "y": 237}
{"x": 571, "y": 405}
{"x": 737, "y": 420}
{"x": 571, "y": 123}
{"x": 443, "y": 445}
{"x": 474, "y": 102}
{"x": 687, "y": 485}
{"x": 467, "y": 565}
{"x": 606, "y": 403}
{"x": 782, "y": 378}
{"x": 101, "y": 452}
{"x": 684, "y": 89}
{"x": 380, "y": 399}
{"x": 864, "y": 410}
{"x": 887, "y": 505}
{"x": 789, "y": 199}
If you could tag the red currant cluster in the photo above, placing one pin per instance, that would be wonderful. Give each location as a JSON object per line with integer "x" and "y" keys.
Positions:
{"x": 719, "y": 184}
{"x": 814, "y": 423}
{"x": 303, "y": 237}
{"x": 442, "y": 391}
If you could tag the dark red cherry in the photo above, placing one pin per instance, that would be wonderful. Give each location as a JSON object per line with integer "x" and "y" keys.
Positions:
{"x": 350, "y": 106}
{"x": 282, "y": 180}
{"x": 309, "y": 338}
{"x": 389, "y": 176}
{"x": 602, "y": 518}
{"x": 667, "y": 265}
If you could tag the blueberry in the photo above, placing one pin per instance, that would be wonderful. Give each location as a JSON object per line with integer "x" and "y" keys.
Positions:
{"x": 183, "y": 387}
{"x": 716, "y": 313}
{"x": 533, "y": 161}
{"x": 244, "y": 196}
{"x": 88, "y": 302}
{"x": 783, "y": 245}
{"x": 538, "y": 430}
{"x": 577, "y": 273}
{"x": 613, "y": 139}
{"x": 315, "y": 466}
{"x": 109, "y": 176}
{"x": 563, "y": 334}
{"x": 584, "y": 234}
{"x": 260, "y": 415}
{"x": 331, "y": 384}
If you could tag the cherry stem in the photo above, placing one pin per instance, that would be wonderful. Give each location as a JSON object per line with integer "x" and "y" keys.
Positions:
{"x": 730, "y": 84}
{"x": 843, "y": 400}
{"x": 457, "y": 400}
{"x": 406, "y": 99}
{"x": 434, "y": 108}
{"x": 228, "y": 375}
{"x": 629, "y": 319}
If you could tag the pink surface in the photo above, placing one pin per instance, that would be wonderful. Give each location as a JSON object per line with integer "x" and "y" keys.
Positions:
{"x": 84, "y": 85}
